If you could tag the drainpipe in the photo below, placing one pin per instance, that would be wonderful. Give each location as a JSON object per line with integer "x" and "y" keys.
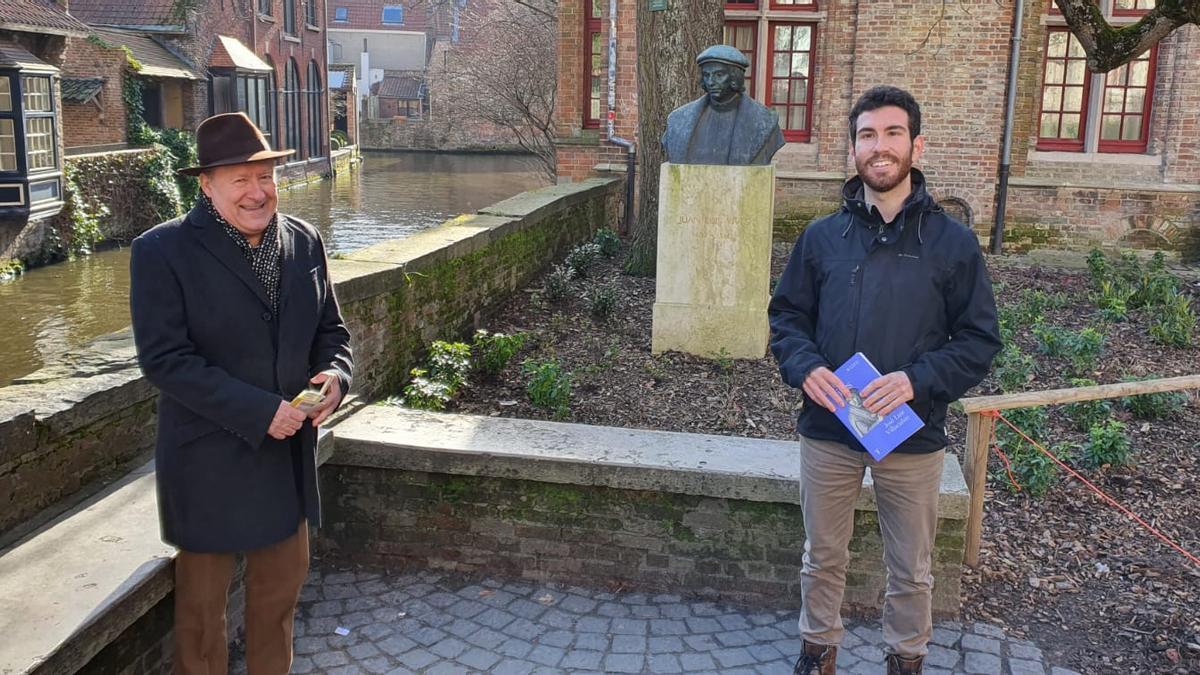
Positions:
{"x": 1009, "y": 106}
{"x": 630, "y": 146}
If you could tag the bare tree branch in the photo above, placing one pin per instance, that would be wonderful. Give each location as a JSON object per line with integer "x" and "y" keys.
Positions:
{"x": 1108, "y": 47}
{"x": 504, "y": 76}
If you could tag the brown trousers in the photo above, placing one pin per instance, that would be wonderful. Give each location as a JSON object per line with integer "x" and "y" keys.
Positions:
{"x": 906, "y": 491}
{"x": 274, "y": 576}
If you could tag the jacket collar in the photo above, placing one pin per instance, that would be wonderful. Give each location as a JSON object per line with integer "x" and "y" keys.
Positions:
{"x": 218, "y": 243}
{"x": 918, "y": 203}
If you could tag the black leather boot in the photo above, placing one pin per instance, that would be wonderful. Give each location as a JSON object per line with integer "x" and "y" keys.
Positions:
{"x": 817, "y": 660}
{"x": 901, "y": 665}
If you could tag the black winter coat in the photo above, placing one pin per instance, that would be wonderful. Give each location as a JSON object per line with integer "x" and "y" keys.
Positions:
{"x": 913, "y": 296}
{"x": 207, "y": 338}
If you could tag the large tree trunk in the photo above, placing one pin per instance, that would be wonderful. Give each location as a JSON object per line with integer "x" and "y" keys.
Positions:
{"x": 1109, "y": 48}
{"x": 668, "y": 42}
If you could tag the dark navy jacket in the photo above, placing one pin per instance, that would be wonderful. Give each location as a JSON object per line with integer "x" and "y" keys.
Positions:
{"x": 912, "y": 295}
{"x": 207, "y": 338}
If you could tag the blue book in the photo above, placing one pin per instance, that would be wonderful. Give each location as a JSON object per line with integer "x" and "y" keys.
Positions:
{"x": 879, "y": 435}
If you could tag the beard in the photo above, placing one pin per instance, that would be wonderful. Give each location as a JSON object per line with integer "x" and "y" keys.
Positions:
{"x": 884, "y": 182}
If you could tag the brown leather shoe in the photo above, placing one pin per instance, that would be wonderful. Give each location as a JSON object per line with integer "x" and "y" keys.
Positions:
{"x": 900, "y": 665}
{"x": 817, "y": 660}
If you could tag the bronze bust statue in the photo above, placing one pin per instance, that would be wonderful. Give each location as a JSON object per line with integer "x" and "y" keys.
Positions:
{"x": 725, "y": 126}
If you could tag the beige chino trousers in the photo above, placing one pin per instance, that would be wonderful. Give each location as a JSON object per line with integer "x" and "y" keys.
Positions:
{"x": 906, "y": 490}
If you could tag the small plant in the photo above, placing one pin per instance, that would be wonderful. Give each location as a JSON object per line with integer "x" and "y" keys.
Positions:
{"x": 608, "y": 241}
{"x": 602, "y": 300}
{"x": 1113, "y": 300}
{"x": 1031, "y": 421}
{"x": 558, "y": 282}
{"x": 724, "y": 362}
{"x": 1154, "y": 406}
{"x": 549, "y": 386}
{"x": 1098, "y": 266}
{"x": 1035, "y": 472}
{"x": 655, "y": 370}
{"x": 1174, "y": 322}
{"x": 426, "y": 393}
{"x": 1052, "y": 340}
{"x": 449, "y": 363}
{"x": 1013, "y": 368}
{"x": 493, "y": 351}
{"x": 1086, "y": 414}
{"x": 582, "y": 258}
{"x": 1085, "y": 348}
{"x": 1081, "y": 348}
{"x": 1107, "y": 445}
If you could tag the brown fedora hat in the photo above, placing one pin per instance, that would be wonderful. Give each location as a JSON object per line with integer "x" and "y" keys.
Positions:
{"x": 230, "y": 138}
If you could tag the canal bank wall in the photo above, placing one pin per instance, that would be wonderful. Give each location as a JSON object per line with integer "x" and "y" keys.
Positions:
{"x": 72, "y": 427}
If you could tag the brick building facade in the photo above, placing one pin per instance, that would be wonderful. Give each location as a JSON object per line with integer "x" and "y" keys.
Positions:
{"x": 266, "y": 58}
{"x": 1099, "y": 176}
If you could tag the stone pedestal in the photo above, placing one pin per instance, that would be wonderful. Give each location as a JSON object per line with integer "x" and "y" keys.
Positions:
{"x": 714, "y": 260}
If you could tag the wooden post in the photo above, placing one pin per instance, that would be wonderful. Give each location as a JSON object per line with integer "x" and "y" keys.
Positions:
{"x": 976, "y": 459}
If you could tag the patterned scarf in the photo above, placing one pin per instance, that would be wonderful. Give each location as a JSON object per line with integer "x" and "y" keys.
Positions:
{"x": 264, "y": 259}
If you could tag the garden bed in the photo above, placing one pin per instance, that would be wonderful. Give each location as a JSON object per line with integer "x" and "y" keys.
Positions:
{"x": 1089, "y": 585}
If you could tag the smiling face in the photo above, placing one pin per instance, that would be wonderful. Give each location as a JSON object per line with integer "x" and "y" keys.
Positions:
{"x": 244, "y": 195}
{"x": 883, "y": 149}
{"x": 721, "y": 81}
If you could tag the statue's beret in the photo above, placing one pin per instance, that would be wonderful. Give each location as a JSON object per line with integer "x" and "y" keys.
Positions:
{"x": 723, "y": 54}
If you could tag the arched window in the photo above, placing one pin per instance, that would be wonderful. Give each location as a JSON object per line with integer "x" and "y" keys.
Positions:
{"x": 316, "y": 127}
{"x": 291, "y": 107}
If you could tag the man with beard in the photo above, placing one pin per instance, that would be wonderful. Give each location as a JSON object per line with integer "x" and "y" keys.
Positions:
{"x": 892, "y": 276}
{"x": 233, "y": 316}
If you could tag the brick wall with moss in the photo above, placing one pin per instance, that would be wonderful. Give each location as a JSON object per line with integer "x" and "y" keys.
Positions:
{"x": 730, "y": 550}
{"x": 1082, "y": 218}
{"x": 440, "y": 297}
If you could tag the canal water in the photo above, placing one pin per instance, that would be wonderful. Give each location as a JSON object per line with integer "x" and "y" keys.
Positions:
{"x": 52, "y": 309}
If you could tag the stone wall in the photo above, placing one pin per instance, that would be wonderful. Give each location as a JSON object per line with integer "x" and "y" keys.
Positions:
{"x": 433, "y": 134}
{"x": 400, "y": 295}
{"x": 651, "y": 510}
{"x": 732, "y": 550}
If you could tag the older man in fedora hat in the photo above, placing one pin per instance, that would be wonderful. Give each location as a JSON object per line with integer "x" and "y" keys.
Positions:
{"x": 234, "y": 316}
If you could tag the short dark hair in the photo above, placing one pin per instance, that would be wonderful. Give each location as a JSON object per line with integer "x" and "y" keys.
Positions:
{"x": 885, "y": 95}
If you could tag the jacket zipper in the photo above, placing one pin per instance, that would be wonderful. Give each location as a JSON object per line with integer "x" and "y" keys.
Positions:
{"x": 857, "y": 301}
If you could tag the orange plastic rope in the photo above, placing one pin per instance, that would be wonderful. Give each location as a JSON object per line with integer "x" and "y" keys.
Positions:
{"x": 1112, "y": 502}
{"x": 992, "y": 415}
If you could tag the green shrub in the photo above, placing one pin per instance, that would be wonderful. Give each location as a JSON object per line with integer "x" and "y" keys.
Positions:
{"x": 1085, "y": 348}
{"x": 549, "y": 386}
{"x": 1113, "y": 300}
{"x": 182, "y": 146}
{"x": 558, "y": 282}
{"x": 425, "y": 393}
{"x": 1086, "y": 414}
{"x": 1013, "y": 368}
{"x": 582, "y": 258}
{"x": 608, "y": 241}
{"x": 1032, "y": 421}
{"x": 493, "y": 351}
{"x": 1154, "y": 406}
{"x": 450, "y": 363}
{"x": 1034, "y": 472}
{"x": 1174, "y": 321}
{"x": 1081, "y": 348}
{"x": 602, "y": 300}
{"x": 1098, "y": 266}
{"x": 1108, "y": 445}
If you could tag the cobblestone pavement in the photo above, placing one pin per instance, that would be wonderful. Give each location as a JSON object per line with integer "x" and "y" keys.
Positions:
{"x": 435, "y": 624}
